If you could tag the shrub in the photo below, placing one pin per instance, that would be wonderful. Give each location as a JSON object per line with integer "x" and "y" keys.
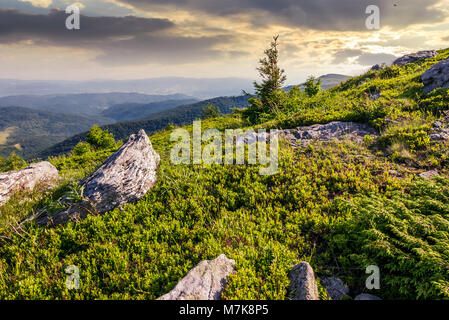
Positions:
{"x": 100, "y": 139}
{"x": 13, "y": 162}
{"x": 81, "y": 148}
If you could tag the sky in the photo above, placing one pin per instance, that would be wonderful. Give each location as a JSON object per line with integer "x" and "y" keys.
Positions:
{"x": 136, "y": 39}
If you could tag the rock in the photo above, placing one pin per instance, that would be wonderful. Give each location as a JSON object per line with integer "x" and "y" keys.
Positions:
{"x": 42, "y": 173}
{"x": 410, "y": 58}
{"x": 378, "y": 67}
{"x": 439, "y": 131}
{"x": 366, "y": 296}
{"x": 336, "y": 288}
{"x": 126, "y": 176}
{"x": 436, "y": 77}
{"x": 251, "y": 138}
{"x": 439, "y": 135}
{"x": 302, "y": 283}
{"x": 204, "y": 282}
{"x": 429, "y": 174}
{"x": 437, "y": 125}
{"x": 374, "y": 96}
{"x": 332, "y": 131}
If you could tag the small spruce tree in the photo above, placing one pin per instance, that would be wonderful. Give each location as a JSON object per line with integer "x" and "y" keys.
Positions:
{"x": 269, "y": 93}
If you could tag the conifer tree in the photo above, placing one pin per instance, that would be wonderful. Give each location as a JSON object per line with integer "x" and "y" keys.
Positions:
{"x": 269, "y": 91}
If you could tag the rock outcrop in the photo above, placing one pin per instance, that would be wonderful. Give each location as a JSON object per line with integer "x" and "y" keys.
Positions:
{"x": 336, "y": 288}
{"x": 436, "y": 77}
{"x": 302, "y": 283}
{"x": 366, "y": 296}
{"x": 336, "y": 130}
{"x": 378, "y": 67}
{"x": 204, "y": 282}
{"x": 126, "y": 176}
{"x": 413, "y": 57}
{"x": 331, "y": 131}
{"x": 43, "y": 174}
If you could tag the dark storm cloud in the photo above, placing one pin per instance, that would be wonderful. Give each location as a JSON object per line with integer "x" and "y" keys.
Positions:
{"x": 170, "y": 50}
{"x": 122, "y": 40}
{"x": 340, "y": 15}
{"x": 16, "y": 26}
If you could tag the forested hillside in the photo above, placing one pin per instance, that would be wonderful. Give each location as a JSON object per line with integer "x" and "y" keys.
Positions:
{"x": 26, "y": 131}
{"x": 133, "y": 111}
{"x": 179, "y": 115}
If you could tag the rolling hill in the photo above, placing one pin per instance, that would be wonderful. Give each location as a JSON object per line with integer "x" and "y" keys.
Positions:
{"x": 87, "y": 103}
{"x": 26, "y": 131}
{"x": 179, "y": 115}
{"x": 133, "y": 111}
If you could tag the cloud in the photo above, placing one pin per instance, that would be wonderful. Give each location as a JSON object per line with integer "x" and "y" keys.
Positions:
{"x": 169, "y": 50}
{"x": 17, "y": 26}
{"x": 342, "y": 15}
{"x": 362, "y": 57}
{"x": 120, "y": 40}
{"x": 445, "y": 38}
{"x": 39, "y": 3}
{"x": 369, "y": 59}
{"x": 342, "y": 55}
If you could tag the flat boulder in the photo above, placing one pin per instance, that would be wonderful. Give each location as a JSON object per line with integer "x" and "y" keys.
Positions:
{"x": 204, "y": 282}
{"x": 126, "y": 176}
{"x": 302, "y": 283}
{"x": 43, "y": 174}
{"x": 413, "y": 57}
{"x": 336, "y": 130}
{"x": 436, "y": 77}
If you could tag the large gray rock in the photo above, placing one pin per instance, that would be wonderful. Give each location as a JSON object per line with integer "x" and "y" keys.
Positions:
{"x": 204, "y": 282}
{"x": 302, "y": 283}
{"x": 336, "y": 288}
{"x": 436, "y": 77}
{"x": 43, "y": 174}
{"x": 413, "y": 57}
{"x": 331, "y": 131}
{"x": 366, "y": 296}
{"x": 429, "y": 174}
{"x": 126, "y": 176}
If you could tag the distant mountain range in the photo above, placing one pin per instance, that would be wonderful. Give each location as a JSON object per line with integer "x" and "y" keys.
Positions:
{"x": 203, "y": 88}
{"x": 179, "y": 115}
{"x": 134, "y": 111}
{"x": 94, "y": 104}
